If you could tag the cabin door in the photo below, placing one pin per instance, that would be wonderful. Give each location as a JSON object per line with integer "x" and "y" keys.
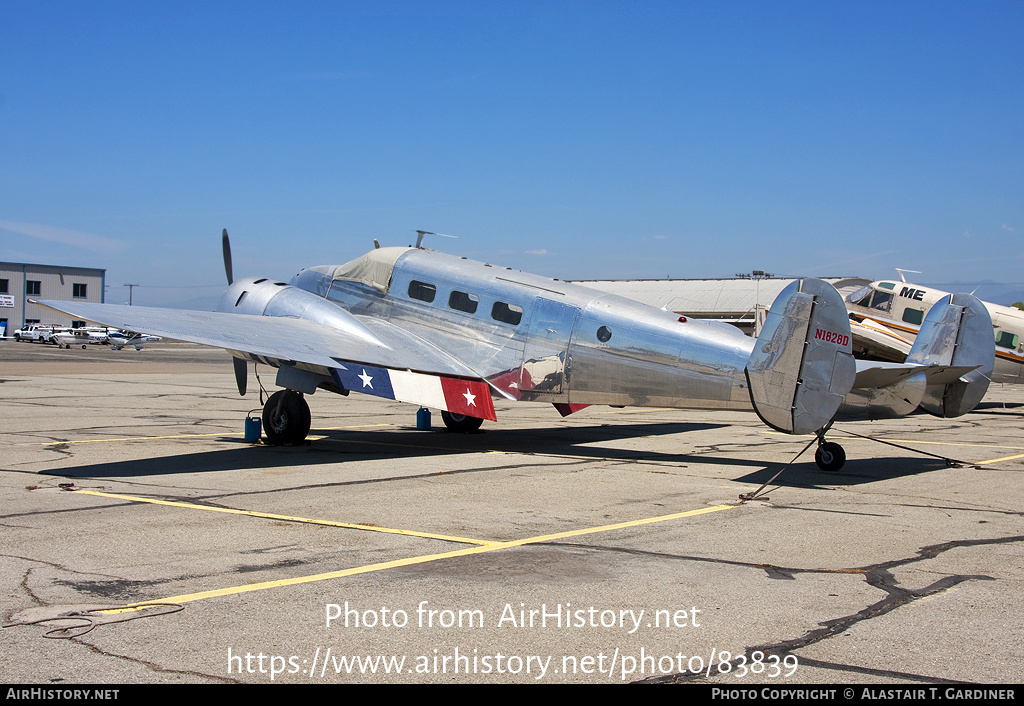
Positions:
{"x": 547, "y": 347}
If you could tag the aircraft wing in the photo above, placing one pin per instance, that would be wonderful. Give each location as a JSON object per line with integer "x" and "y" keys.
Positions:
{"x": 878, "y": 341}
{"x": 286, "y": 339}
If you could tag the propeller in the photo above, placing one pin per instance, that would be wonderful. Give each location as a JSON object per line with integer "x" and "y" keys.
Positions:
{"x": 227, "y": 255}
{"x": 241, "y": 372}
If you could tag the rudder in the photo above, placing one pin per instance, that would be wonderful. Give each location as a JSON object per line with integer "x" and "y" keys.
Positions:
{"x": 802, "y": 365}
{"x": 956, "y": 331}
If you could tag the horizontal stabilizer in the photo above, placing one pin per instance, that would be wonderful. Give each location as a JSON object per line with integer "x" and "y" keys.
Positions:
{"x": 802, "y": 365}
{"x": 891, "y": 374}
{"x": 888, "y": 390}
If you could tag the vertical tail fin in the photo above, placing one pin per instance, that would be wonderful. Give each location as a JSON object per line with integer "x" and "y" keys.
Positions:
{"x": 956, "y": 331}
{"x": 802, "y": 366}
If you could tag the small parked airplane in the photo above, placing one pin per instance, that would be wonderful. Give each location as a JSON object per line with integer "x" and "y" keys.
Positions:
{"x": 120, "y": 339}
{"x": 900, "y": 308}
{"x": 86, "y": 335}
{"x": 440, "y": 331}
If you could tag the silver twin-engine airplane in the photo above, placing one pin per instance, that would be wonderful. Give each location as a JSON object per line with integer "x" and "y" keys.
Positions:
{"x": 440, "y": 331}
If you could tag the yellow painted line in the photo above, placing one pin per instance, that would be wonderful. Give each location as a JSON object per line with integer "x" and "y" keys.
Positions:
{"x": 271, "y": 516}
{"x": 136, "y": 438}
{"x": 950, "y": 443}
{"x": 997, "y": 460}
{"x": 933, "y": 443}
{"x": 409, "y": 561}
{"x": 642, "y": 410}
{"x": 903, "y": 441}
{"x": 356, "y": 426}
{"x": 189, "y": 436}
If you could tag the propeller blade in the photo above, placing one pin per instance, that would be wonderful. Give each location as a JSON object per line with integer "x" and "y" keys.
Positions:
{"x": 241, "y": 371}
{"x": 240, "y": 374}
{"x": 227, "y": 264}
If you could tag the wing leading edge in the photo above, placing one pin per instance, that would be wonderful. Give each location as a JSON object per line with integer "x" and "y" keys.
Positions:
{"x": 402, "y": 367}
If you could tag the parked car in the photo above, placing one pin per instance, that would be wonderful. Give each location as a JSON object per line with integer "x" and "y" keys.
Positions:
{"x": 41, "y": 333}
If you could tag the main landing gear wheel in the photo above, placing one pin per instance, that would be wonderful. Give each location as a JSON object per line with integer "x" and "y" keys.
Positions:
{"x": 286, "y": 418}
{"x": 830, "y": 456}
{"x": 460, "y": 422}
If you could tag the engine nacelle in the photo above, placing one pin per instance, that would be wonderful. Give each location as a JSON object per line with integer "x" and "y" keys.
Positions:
{"x": 250, "y": 296}
{"x": 264, "y": 297}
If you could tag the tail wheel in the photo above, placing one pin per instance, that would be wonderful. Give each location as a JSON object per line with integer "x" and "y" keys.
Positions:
{"x": 461, "y": 422}
{"x": 830, "y": 456}
{"x": 286, "y": 418}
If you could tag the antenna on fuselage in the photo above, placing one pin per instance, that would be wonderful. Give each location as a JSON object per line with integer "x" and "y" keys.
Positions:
{"x": 904, "y": 279}
{"x": 421, "y": 233}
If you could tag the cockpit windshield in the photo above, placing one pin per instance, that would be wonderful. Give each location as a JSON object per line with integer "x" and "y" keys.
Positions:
{"x": 374, "y": 268}
{"x": 871, "y": 298}
{"x": 862, "y": 297}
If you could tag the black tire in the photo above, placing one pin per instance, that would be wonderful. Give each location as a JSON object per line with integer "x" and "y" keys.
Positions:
{"x": 286, "y": 418}
{"x": 461, "y": 423}
{"x": 830, "y": 457}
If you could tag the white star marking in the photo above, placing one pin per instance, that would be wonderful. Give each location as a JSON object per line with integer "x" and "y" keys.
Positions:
{"x": 366, "y": 379}
{"x": 469, "y": 397}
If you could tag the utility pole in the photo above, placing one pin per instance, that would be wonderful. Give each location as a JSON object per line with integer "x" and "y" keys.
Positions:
{"x": 131, "y": 288}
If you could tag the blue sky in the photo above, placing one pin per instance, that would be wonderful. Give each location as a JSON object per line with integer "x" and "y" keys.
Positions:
{"x": 573, "y": 139}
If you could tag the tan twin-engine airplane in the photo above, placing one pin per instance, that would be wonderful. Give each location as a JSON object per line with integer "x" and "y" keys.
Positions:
{"x": 899, "y": 308}
{"x": 444, "y": 332}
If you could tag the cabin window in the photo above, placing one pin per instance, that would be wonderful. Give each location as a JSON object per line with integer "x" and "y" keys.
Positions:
{"x": 78, "y": 290}
{"x": 77, "y": 324}
{"x": 913, "y": 316}
{"x": 604, "y": 334}
{"x": 33, "y": 286}
{"x": 422, "y": 291}
{"x": 881, "y": 301}
{"x": 1007, "y": 339}
{"x": 887, "y": 285}
{"x": 461, "y": 301}
{"x": 507, "y": 313}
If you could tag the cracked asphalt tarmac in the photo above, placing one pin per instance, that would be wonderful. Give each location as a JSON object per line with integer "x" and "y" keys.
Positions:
{"x": 606, "y": 547}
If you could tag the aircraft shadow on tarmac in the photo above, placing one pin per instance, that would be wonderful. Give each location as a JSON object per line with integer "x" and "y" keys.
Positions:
{"x": 341, "y": 446}
{"x": 999, "y": 407}
{"x": 805, "y": 474}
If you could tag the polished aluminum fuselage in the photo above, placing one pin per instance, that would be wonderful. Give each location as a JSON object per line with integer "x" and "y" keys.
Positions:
{"x": 571, "y": 344}
{"x": 440, "y": 324}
